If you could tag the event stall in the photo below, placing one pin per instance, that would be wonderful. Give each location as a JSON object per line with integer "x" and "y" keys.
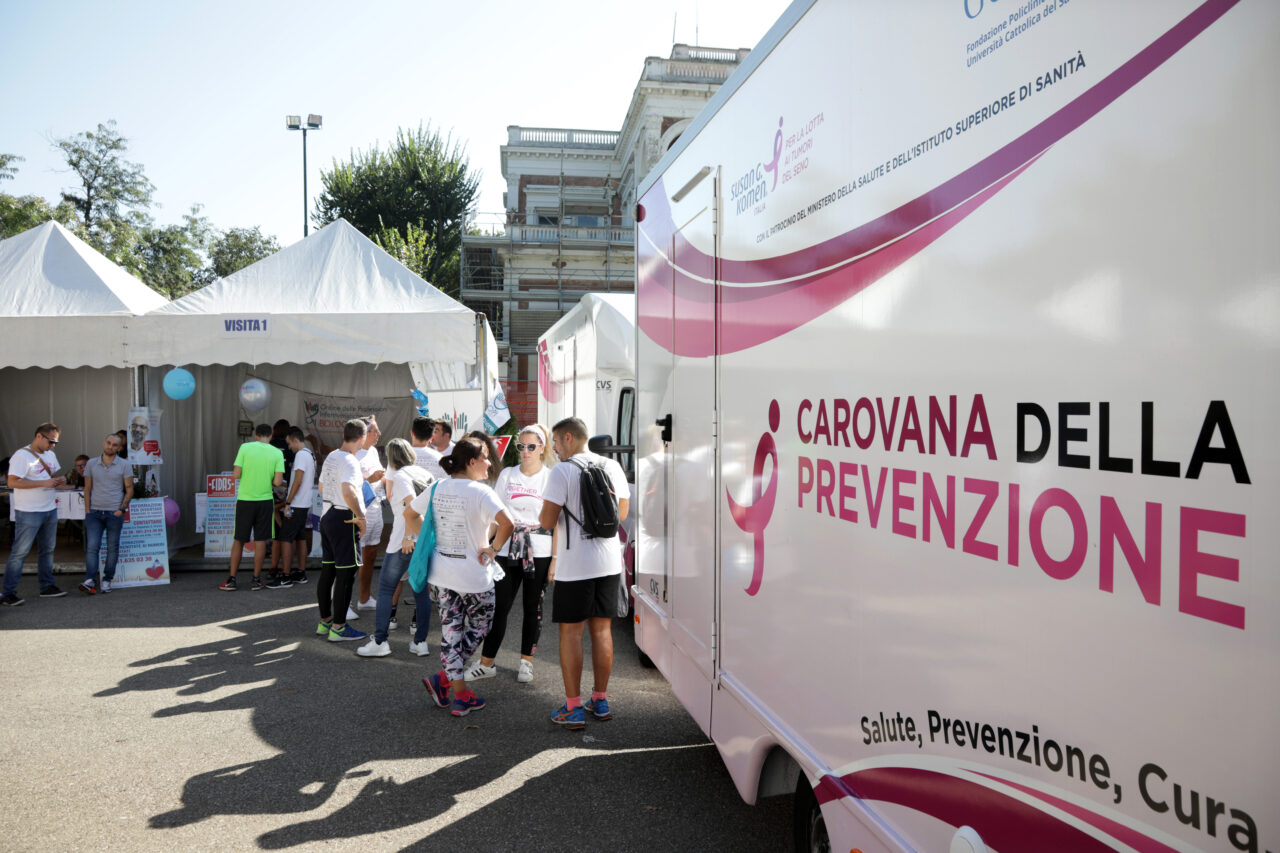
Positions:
{"x": 335, "y": 328}
{"x": 333, "y": 325}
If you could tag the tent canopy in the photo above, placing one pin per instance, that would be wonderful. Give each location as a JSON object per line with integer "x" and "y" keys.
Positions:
{"x": 62, "y": 304}
{"x": 335, "y": 297}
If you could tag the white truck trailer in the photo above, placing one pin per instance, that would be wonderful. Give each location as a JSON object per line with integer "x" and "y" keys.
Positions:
{"x": 959, "y": 336}
{"x": 587, "y": 366}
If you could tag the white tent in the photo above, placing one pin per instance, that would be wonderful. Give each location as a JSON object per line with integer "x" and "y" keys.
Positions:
{"x": 332, "y": 298}
{"x": 332, "y": 316}
{"x": 65, "y": 312}
{"x": 63, "y": 304}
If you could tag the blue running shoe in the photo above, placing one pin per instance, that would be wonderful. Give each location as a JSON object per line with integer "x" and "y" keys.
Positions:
{"x": 574, "y": 720}
{"x": 437, "y": 689}
{"x": 323, "y": 628}
{"x": 462, "y": 707}
{"x": 347, "y": 633}
{"x": 599, "y": 708}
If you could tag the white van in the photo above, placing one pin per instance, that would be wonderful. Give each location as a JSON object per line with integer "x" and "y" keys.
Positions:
{"x": 958, "y": 491}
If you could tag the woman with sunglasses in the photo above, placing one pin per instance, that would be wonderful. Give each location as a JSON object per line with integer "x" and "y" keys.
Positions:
{"x": 463, "y": 509}
{"x": 526, "y": 559}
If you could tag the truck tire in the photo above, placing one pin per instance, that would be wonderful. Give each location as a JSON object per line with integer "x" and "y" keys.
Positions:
{"x": 810, "y": 828}
{"x": 645, "y": 660}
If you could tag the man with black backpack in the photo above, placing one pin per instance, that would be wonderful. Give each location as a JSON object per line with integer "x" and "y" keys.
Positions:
{"x": 593, "y": 493}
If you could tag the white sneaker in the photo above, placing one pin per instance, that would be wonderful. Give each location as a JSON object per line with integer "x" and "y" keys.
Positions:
{"x": 371, "y": 604}
{"x": 419, "y": 649}
{"x": 480, "y": 672}
{"x": 351, "y": 613}
{"x": 393, "y": 624}
{"x": 525, "y": 675}
{"x": 106, "y": 586}
{"x": 374, "y": 649}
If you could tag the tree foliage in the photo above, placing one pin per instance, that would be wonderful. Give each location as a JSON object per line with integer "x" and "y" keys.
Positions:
{"x": 172, "y": 256}
{"x": 21, "y": 213}
{"x": 109, "y": 209}
{"x": 110, "y": 186}
{"x": 412, "y": 199}
{"x": 236, "y": 249}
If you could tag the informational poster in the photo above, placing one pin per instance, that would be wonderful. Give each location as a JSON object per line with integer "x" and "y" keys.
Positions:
{"x": 144, "y": 436}
{"x": 324, "y": 417}
{"x": 144, "y": 546}
{"x": 200, "y": 501}
{"x": 219, "y": 514}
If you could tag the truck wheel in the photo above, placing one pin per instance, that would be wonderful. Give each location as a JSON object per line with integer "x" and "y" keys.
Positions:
{"x": 645, "y": 660}
{"x": 810, "y": 828}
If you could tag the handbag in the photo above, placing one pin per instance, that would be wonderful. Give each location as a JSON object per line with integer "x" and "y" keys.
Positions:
{"x": 420, "y": 564}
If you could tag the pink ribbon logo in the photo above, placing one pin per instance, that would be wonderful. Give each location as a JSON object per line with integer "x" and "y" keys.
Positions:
{"x": 753, "y": 518}
{"x": 772, "y": 165}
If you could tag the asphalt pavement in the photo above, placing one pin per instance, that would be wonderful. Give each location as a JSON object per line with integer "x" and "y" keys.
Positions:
{"x": 188, "y": 718}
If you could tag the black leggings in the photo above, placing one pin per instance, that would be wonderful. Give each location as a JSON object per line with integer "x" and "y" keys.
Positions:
{"x": 338, "y": 565}
{"x": 505, "y": 593}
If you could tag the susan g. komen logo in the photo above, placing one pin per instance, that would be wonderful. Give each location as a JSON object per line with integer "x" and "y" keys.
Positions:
{"x": 754, "y": 517}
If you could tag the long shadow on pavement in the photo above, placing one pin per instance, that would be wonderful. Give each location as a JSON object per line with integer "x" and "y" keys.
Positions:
{"x": 501, "y": 778}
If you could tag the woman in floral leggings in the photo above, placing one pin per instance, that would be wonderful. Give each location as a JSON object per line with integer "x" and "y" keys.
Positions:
{"x": 462, "y": 566}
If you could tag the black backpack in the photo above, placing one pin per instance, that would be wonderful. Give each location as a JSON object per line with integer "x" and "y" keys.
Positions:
{"x": 599, "y": 503}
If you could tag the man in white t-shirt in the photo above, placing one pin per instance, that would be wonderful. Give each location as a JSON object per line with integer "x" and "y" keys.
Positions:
{"x": 428, "y": 458}
{"x": 292, "y": 532}
{"x": 442, "y": 437}
{"x": 33, "y": 475}
{"x": 587, "y": 574}
{"x": 341, "y": 526}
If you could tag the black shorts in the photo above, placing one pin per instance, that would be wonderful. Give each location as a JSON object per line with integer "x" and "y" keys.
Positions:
{"x": 292, "y": 528}
{"x": 339, "y": 541}
{"x": 256, "y": 517}
{"x": 578, "y": 601}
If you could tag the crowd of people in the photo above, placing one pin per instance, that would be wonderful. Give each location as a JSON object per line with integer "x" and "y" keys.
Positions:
{"x": 496, "y": 535}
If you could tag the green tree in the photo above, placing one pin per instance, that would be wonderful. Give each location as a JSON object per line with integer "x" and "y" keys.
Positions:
{"x": 172, "y": 256}
{"x": 21, "y": 213}
{"x": 110, "y": 186}
{"x": 420, "y": 189}
{"x": 234, "y": 250}
{"x": 7, "y": 171}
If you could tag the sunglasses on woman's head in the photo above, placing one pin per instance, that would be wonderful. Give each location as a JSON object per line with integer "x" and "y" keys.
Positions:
{"x": 528, "y": 447}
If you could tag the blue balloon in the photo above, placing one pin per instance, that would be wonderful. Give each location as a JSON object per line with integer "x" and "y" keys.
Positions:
{"x": 179, "y": 384}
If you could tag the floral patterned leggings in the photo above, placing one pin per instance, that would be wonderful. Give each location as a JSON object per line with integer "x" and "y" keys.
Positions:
{"x": 464, "y": 622}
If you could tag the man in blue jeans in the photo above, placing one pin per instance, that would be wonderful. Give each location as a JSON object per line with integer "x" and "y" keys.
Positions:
{"x": 108, "y": 488}
{"x": 33, "y": 477}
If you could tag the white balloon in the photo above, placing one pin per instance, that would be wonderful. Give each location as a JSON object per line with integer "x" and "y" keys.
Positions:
{"x": 255, "y": 395}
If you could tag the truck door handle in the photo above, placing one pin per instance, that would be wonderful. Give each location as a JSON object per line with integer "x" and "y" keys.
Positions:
{"x": 665, "y": 423}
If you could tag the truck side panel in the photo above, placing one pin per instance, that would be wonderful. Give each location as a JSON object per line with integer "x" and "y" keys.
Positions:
{"x": 997, "y": 339}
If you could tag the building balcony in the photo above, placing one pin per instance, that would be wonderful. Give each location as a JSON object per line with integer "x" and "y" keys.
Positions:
{"x": 560, "y": 137}
{"x": 495, "y": 229}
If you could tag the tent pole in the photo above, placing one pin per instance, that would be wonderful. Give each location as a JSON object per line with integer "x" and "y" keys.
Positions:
{"x": 482, "y": 372}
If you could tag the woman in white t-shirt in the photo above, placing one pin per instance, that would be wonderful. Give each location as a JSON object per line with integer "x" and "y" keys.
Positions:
{"x": 462, "y": 566}
{"x": 402, "y": 482}
{"x": 526, "y": 559}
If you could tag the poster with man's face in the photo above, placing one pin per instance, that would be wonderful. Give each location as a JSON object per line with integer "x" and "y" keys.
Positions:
{"x": 144, "y": 436}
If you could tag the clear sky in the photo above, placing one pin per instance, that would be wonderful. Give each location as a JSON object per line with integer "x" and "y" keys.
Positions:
{"x": 201, "y": 89}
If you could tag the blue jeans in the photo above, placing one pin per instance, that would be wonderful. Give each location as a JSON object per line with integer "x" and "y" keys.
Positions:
{"x": 394, "y": 567}
{"x": 30, "y": 528}
{"x": 95, "y": 521}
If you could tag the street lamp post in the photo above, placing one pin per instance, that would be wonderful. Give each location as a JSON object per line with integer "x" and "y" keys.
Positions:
{"x": 295, "y": 123}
